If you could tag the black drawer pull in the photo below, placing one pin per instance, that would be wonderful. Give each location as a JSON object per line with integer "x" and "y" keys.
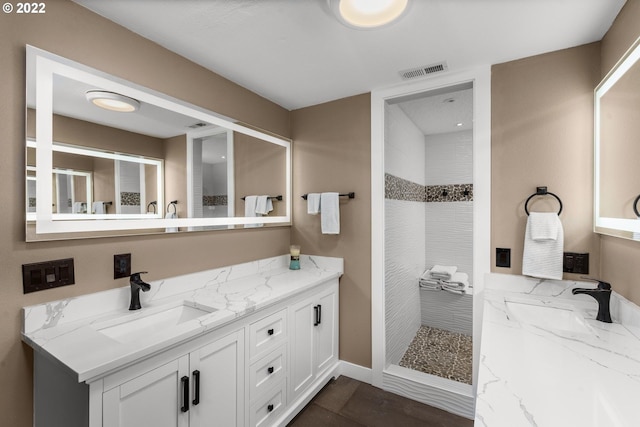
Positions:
{"x": 270, "y": 331}
{"x": 185, "y": 394}
{"x": 318, "y": 314}
{"x": 270, "y": 369}
{"x": 270, "y": 407}
{"x": 196, "y": 386}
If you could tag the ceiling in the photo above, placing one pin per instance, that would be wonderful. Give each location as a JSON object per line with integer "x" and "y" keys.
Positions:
{"x": 295, "y": 53}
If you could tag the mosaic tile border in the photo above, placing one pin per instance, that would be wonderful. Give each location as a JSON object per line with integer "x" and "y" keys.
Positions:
{"x": 220, "y": 200}
{"x": 396, "y": 188}
{"x": 129, "y": 199}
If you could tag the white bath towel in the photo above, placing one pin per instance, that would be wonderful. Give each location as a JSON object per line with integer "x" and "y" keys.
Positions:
{"x": 330, "y": 213}
{"x": 543, "y": 258}
{"x": 430, "y": 285}
{"x": 544, "y": 225}
{"x": 459, "y": 283}
{"x": 98, "y": 208}
{"x": 313, "y": 203}
{"x": 264, "y": 205}
{"x": 444, "y": 272}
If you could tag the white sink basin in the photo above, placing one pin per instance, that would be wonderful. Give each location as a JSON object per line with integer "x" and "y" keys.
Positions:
{"x": 139, "y": 325}
{"x": 556, "y": 317}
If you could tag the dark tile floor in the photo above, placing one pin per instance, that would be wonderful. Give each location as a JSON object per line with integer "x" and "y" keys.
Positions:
{"x": 347, "y": 402}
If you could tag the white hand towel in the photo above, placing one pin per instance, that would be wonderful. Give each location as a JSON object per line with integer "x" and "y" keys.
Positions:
{"x": 330, "y": 213}
{"x": 98, "y": 208}
{"x": 77, "y": 207}
{"x": 544, "y": 225}
{"x": 171, "y": 215}
{"x": 250, "y": 205}
{"x": 250, "y": 209}
{"x": 313, "y": 203}
{"x": 444, "y": 272}
{"x": 543, "y": 258}
{"x": 264, "y": 205}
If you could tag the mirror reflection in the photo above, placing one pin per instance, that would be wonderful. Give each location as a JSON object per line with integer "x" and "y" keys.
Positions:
{"x": 119, "y": 151}
{"x": 617, "y": 149}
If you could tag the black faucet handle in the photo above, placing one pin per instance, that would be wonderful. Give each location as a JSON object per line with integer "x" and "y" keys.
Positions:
{"x": 601, "y": 284}
{"x": 135, "y": 277}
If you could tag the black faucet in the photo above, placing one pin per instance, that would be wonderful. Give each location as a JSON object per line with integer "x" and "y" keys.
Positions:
{"x": 136, "y": 284}
{"x": 602, "y": 294}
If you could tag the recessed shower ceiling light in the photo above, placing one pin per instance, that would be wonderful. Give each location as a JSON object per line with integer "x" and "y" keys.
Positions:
{"x": 112, "y": 101}
{"x": 366, "y": 14}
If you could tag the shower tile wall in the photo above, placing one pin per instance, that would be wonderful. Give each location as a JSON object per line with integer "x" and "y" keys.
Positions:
{"x": 404, "y": 231}
{"x": 449, "y": 224}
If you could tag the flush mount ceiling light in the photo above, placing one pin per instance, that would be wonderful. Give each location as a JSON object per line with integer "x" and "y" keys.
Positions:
{"x": 112, "y": 101}
{"x": 366, "y": 14}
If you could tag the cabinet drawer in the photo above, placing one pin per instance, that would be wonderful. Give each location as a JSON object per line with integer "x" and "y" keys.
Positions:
{"x": 267, "y": 372}
{"x": 266, "y": 334}
{"x": 266, "y": 410}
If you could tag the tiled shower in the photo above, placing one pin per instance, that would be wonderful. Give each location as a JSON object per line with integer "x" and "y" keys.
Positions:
{"x": 428, "y": 221}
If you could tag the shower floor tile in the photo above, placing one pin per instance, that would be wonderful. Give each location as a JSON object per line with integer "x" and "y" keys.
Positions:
{"x": 438, "y": 352}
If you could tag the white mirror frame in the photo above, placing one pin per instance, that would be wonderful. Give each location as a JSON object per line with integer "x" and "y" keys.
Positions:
{"x": 45, "y": 65}
{"x": 619, "y": 227}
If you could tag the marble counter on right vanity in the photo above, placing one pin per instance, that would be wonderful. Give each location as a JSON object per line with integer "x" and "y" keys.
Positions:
{"x": 546, "y": 362}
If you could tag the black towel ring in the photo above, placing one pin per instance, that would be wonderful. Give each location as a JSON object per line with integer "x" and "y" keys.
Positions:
{"x": 175, "y": 208}
{"x": 542, "y": 191}
{"x": 635, "y": 206}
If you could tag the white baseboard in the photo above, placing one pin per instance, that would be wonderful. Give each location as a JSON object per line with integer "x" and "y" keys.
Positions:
{"x": 356, "y": 372}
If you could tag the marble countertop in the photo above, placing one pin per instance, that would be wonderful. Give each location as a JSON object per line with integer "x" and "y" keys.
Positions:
{"x": 68, "y": 330}
{"x": 549, "y": 373}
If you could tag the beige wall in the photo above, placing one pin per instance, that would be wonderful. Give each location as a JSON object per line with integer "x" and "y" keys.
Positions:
{"x": 542, "y": 135}
{"x": 332, "y": 152}
{"x": 619, "y": 258}
{"x": 72, "y": 31}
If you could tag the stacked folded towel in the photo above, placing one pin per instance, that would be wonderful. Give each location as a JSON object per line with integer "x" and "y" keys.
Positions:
{"x": 445, "y": 278}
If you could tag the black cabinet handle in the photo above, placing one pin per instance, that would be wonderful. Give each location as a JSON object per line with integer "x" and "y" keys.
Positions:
{"x": 196, "y": 386}
{"x": 185, "y": 394}
{"x": 315, "y": 315}
{"x": 270, "y": 407}
{"x": 318, "y": 314}
{"x": 270, "y": 369}
{"x": 270, "y": 332}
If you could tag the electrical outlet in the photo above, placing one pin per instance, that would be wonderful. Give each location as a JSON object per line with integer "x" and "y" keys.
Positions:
{"x": 46, "y": 275}
{"x": 503, "y": 257}
{"x": 575, "y": 263}
{"x": 121, "y": 266}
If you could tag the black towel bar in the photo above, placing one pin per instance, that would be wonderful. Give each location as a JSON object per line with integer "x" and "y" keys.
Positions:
{"x": 351, "y": 195}
{"x": 542, "y": 191}
{"x": 279, "y": 197}
{"x": 635, "y": 206}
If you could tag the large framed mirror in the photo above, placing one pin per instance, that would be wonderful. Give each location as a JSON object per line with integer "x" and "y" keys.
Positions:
{"x": 109, "y": 157}
{"x": 617, "y": 149}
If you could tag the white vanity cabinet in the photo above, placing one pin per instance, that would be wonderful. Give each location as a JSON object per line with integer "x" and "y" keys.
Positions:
{"x": 313, "y": 338}
{"x": 253, "y": 363}
{"x": 203, "y": 385}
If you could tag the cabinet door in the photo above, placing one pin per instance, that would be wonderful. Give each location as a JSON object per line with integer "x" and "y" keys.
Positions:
{"x": 152, "y": 399}
{"x": 217, "y": 375}
{"x": 327, "y": 332}
{"x": 301, "y": 318}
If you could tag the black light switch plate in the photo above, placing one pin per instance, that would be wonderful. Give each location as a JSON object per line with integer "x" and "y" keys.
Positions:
{"x": 46, "y": 275}
{"x": 121, "y": 266}
{"x": 503, "y": 257}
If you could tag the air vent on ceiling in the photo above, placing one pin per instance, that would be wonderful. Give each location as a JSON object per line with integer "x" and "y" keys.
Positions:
{"x": 198, "y": 125}
{"x": 423, "y": 71}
